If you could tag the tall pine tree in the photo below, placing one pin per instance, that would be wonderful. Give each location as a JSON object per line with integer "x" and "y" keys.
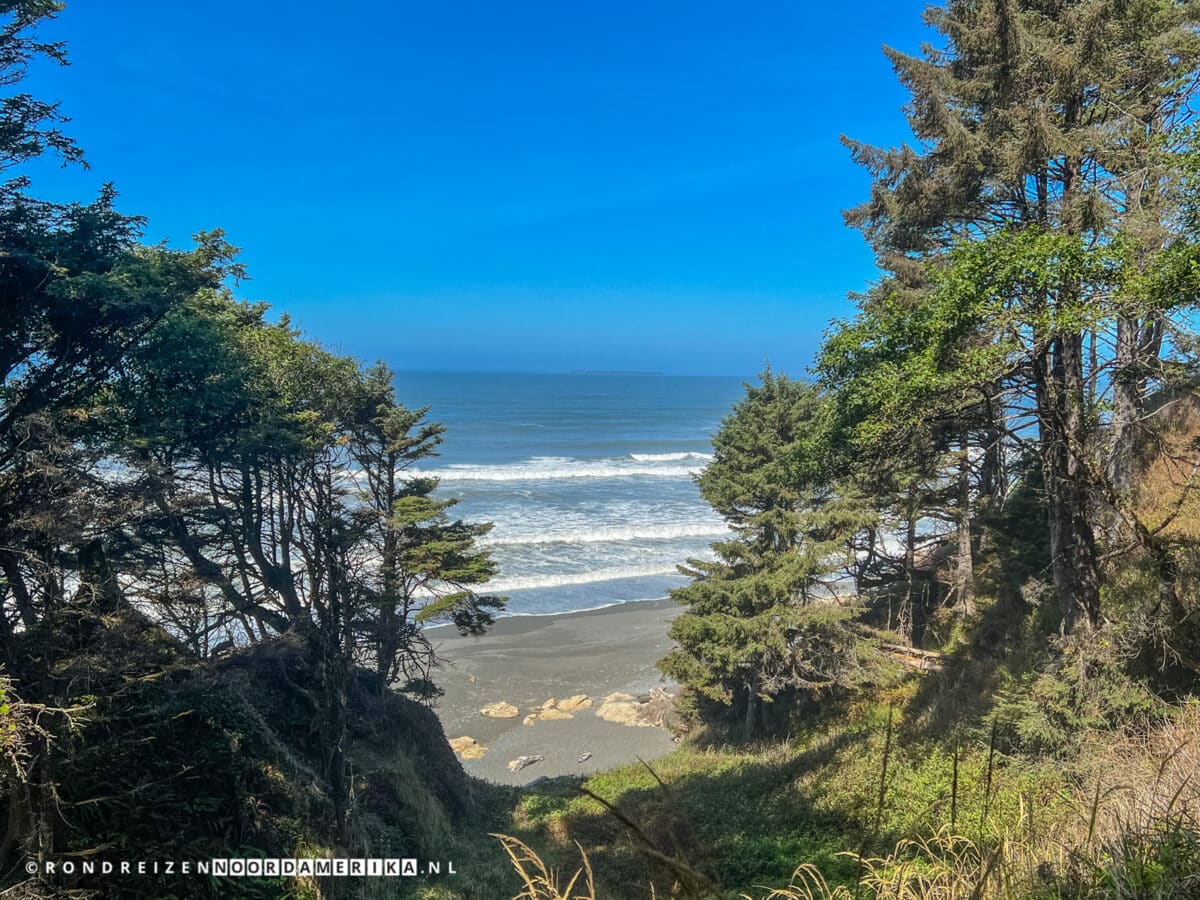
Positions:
{"x": 758, "y": 624}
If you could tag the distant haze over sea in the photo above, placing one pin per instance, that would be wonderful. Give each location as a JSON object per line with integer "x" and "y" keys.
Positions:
{"x": 587, "y": 476}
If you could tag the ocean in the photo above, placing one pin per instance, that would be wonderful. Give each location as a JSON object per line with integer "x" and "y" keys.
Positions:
{"x": 588, "y": 478}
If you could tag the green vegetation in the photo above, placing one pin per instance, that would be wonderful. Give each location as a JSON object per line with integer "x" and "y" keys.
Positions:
{"x": 908, "y": 813}
{"x": 758, "y": 627}
{"x": 213, "y": 569}
{"x": 989, "y": 479}
{"x": 1013, "y": 380}
{"x": 950, "y": 650}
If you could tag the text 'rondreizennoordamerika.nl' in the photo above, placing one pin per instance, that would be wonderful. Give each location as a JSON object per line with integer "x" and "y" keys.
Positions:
{"x": 245, "y": 868}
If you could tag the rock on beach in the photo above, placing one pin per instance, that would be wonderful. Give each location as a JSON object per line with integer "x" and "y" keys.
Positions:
{"x": 501, "y": 710}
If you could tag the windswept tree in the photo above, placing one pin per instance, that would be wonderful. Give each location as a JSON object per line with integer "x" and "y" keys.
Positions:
{"x": 274, "y": 497}
{"x": 283, "y": 470}
{"x": 168, "y": 453}
{"x": 80, "y": 296}
{"x": 427, "y": 565}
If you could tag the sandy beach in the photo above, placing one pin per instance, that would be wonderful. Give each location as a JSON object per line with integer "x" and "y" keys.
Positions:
{"x": 526, "y": 660}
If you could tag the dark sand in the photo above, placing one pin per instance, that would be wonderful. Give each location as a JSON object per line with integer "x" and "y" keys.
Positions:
{"x": 526, "y": 660}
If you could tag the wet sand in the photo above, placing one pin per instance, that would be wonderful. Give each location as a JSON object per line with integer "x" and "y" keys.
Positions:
{"x": 525, "y": 660}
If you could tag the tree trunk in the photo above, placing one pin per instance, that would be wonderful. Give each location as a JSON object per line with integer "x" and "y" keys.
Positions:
{"x": 332, "y": 668}
{"x": 1062, "y": 420}
{"x": 993, "y": 483}
{"x": 750, "y": 725}
{"x": 905, "y": 623}
{"x": 1127, "y": 405}
{"x": 1074, "y": 563}
{"x": 1138, "y": 340}
{"x": 33, "y": 804}
{"x": 1082, "y": 558}
{"x": 965, "y": 568}
{"x": 20, "y": 590}
{"x": 210, "y": 572}
{"x": 387, "y": 645}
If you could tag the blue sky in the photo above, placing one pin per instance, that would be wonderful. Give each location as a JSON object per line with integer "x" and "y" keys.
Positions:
{"x": 527, "y": 186}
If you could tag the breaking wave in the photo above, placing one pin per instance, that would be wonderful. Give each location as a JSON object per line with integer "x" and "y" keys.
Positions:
{"x": 670, "y": 457}
{"x": 562, "y": 579}
{"x": 612, "y": 534}
{"x": 552, "y": 468}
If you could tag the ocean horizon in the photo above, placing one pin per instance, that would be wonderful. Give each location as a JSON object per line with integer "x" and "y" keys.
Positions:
{"x": 588, "y": 477}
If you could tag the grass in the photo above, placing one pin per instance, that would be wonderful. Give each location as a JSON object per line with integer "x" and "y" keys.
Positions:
{"x": 821, "y": 816}
{"x": 1155, "y": 859}
{"x": 751, "y": 815}
{"x": 737, "y": 808}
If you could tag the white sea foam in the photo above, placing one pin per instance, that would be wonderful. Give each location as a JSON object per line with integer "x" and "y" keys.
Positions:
{"x": 613, "y": 534}
{"x": 552, "y": 468}
{"x": 519, "y": 613}
{"x": 669, "y": 457}
{"x": 506, "y": 613}
{"x": 562, "y": 579}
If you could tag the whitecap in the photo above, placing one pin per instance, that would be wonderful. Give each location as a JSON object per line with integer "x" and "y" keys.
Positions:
{"x": 670, "y": 457}
{"x": 612, "y": 534}
{"x": 552, "y": 468}
{"x": 562, "y": 579}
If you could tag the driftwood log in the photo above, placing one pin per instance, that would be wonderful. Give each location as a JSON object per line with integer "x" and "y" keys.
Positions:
{"x": 913, "y": 658}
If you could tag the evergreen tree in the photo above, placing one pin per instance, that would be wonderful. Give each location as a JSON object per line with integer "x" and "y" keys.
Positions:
{"x": 428, "y": 564}
{"x": 1060, "y": 119}
{"x": 29, "y": 126}
{"x": 758, "y": 624}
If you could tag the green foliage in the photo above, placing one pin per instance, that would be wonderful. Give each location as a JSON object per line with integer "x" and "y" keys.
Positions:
{"x": 181, "y": 760}
{"x": 1161, "y": 860}
{"x": 902, "y": 366}
{"x": 29, "y": 127}
{"x": 254, "y": 446}
{"x": 756, "y": 626}
{"x": 168, "y": 449}
{"x": 1038, "y": 252}
{"x": 704, "y": 806}
{"x": 815, "y": 802}
{"x": 164, "y": 446}
{"x": 788, "y": 648}
{"x": 1082, "y": 688}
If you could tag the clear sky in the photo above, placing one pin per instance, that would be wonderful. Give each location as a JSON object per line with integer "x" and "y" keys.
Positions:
{"x": 529, "y": 186}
